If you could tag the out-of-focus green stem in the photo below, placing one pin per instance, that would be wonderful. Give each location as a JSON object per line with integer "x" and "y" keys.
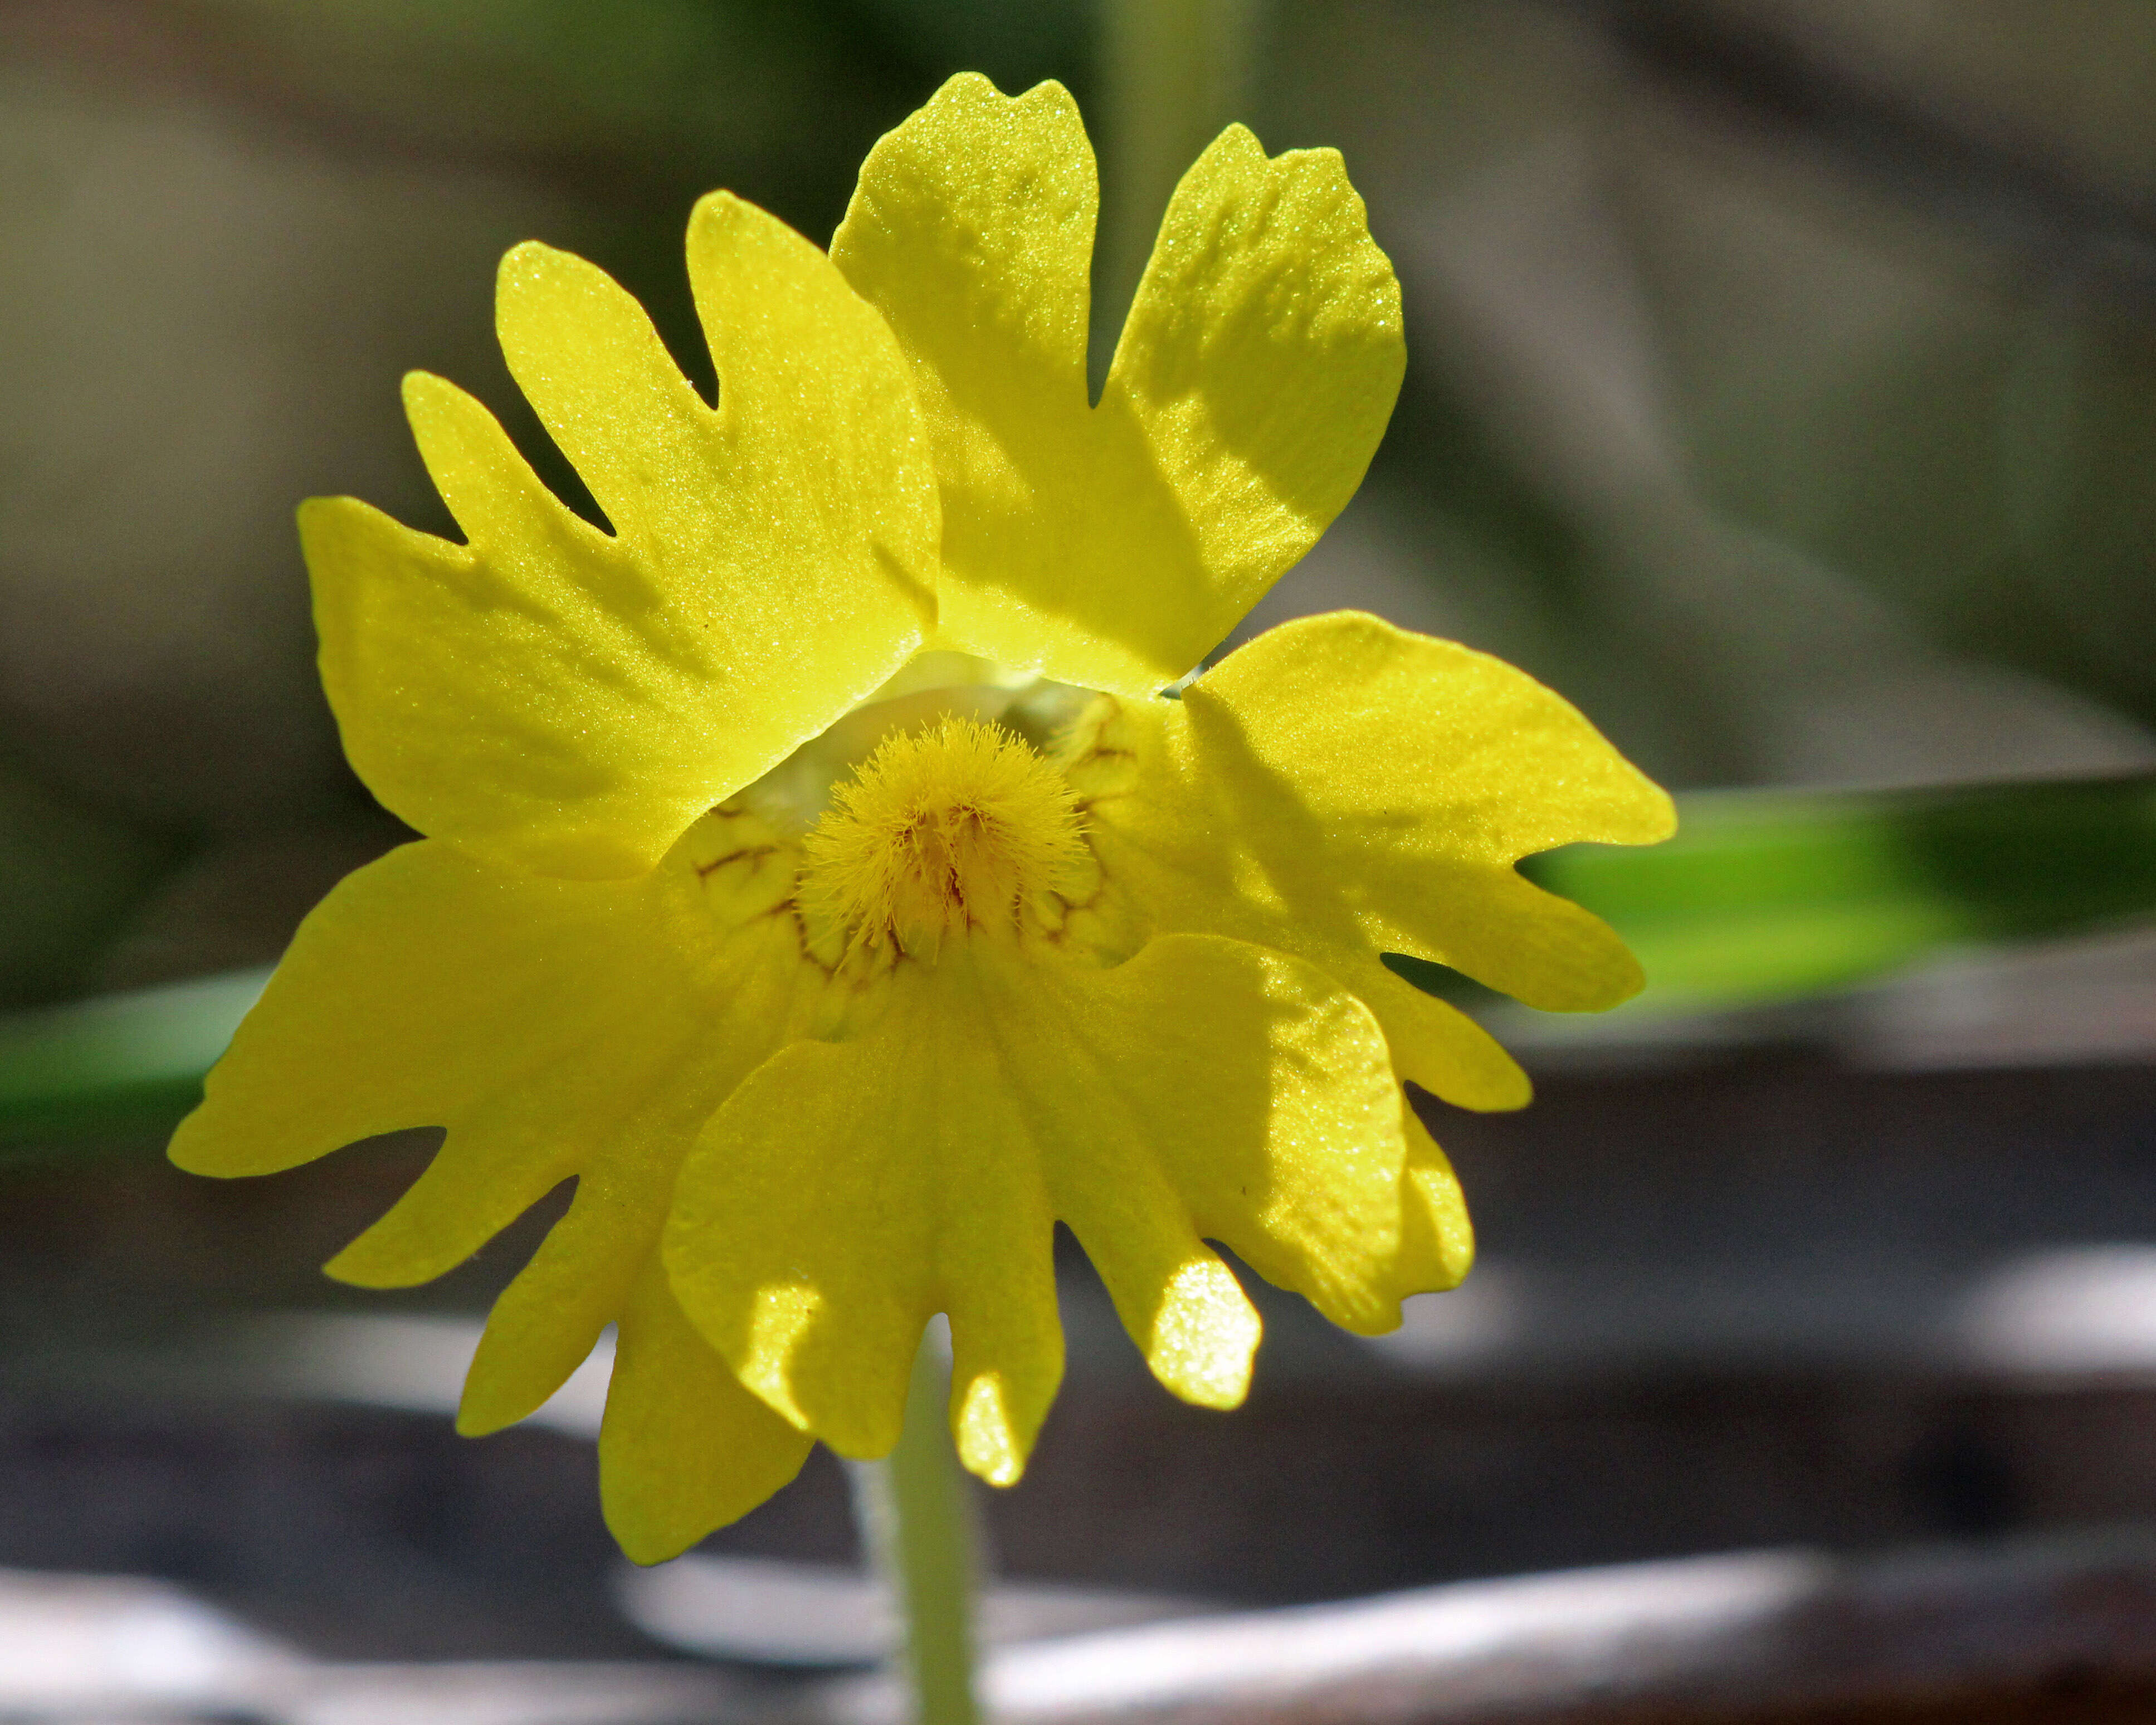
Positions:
{"x": 919, "y": 1527}
{"x": 1174, "y": 72}
{"x": 1782, "y": 894}
{"x": 131, "y": 1063}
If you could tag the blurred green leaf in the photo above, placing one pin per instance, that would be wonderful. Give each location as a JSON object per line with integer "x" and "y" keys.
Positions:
{"x": 119, "y": 1063}
{"x": 1768, "y": 896}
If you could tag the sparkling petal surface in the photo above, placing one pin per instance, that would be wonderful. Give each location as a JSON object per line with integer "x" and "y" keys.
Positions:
{"x": 1113, "y": 546}
{"x": 998, "y": 1093}
{"x": 571, "y": 700}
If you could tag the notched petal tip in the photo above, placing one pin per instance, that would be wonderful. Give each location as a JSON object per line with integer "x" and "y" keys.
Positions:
{"x": 1623, "y": 976}
{"x": 370, "y": 1263}
{"x": 347, "y": 544}
{"x": 421, "y": 390}
{"x": 1204, "y": 1339}
{"x": 977, "y": 90}
{"x": 1006, "y": 1351}
{"x": 724, "y": 219}
{"x": 198, "y": 1146}
{"x": 990, "y": 1445}
{"x": 1437, "y": 1238}
{"x": 682, "y": 1447}
{"x": 648, "y": 1542}
{"x": 484, "y": 1417}
{"x": 1656, "y": 816}
{"x": 317, "y": 514}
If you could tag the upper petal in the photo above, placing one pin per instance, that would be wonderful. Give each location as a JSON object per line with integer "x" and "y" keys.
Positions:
{"x": 1257, "y": 372}
{"x": 568, "y": 699}
{"x": 1113, "y": 546}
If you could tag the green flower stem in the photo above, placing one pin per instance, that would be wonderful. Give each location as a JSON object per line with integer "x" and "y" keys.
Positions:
{"x": 917, "y": 1523}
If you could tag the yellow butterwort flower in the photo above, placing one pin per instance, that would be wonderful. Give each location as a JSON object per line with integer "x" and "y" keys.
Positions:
{"x": 822, "y": 868}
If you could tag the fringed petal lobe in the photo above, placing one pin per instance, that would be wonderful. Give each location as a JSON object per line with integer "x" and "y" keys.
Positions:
{"x": 431, "y": 985}
{"x": 557, "y": 1028}
{"x": 549, "y": 1318}
{"x": 1437, "y": 1243}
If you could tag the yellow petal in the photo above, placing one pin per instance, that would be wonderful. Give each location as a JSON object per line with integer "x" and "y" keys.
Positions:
{"x": 549, "y": 1318}
{"x": 998, "y": 1092}
{"x": 1437, "y": 1243}
{"x": 1433, "y": 1044}
{"x": 1340, "y": 788}
{"x": 1260, "y": 363}
{"x": 849, "y": 1191}
{"x": 1258, "y": 1087}
{"x": 425, "y": 980}
{"x": 682, "y": 1447}
{"x": 555, "y": 1028}
{"x": 570, "y": 700}
{"x": 1113, "y": 546}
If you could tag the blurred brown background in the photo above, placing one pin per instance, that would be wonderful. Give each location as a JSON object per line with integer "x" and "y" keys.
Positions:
{"x": 1781, "y": 389}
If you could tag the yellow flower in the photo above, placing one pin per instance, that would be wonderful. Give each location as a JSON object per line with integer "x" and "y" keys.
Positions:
{"x": 822, "y": 870}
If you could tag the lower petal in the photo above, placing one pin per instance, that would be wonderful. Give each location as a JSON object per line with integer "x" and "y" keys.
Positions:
{"x": 1438, "y": 1046}
{"x": 555, "y": 1029}
{"x": 1247, "y": 1086}
{"x": 424, "y": 982}
{"x": 682, "y": 1447}
{"x": 847, "y": 1191}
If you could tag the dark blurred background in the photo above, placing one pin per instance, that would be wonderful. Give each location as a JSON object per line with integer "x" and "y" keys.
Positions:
{"x": 1782, "y": 388}
{"x": 1779, "y": 388}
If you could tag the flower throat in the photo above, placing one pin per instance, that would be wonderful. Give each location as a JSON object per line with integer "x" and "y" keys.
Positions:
{"x": 943, "y": 831}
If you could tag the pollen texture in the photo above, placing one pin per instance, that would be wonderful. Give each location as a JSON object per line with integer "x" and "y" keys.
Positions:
{"x": 941, "y": 832}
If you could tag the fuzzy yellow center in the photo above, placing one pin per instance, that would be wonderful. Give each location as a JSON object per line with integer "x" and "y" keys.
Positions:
{"x": 941, "y": 832}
